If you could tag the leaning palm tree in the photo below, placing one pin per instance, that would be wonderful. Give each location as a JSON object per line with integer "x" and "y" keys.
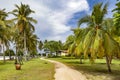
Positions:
{"x": 76, "y": 47}
{"x": 116, "y": 21}
{"x": 116, "y": 18}
{"x": 98, "y": 41}
{"x": 69, "y": 41}
{"x": 22, "y": 14}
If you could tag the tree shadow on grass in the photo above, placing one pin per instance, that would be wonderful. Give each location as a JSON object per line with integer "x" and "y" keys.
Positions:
{"x": 97, "y": 69}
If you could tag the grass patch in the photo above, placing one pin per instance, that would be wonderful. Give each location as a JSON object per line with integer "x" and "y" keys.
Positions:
{"x": 34, "y": 69}
{"x": 97, "y": 71}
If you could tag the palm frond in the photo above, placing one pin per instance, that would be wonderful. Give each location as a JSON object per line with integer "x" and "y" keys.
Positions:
{"x": 86, "y": 19}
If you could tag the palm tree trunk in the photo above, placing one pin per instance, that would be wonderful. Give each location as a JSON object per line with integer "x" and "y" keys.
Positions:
{"x": 16, "y": 55}
{"x": 28, "y": 52}
{"x": 9, "y": 53}
{"x": 108, "y": 63}
{"x": 80, "y": 60}
{"x": 25, "y": 52}
{"x": 110, "y": 59}
{"x": 3, "y": 54}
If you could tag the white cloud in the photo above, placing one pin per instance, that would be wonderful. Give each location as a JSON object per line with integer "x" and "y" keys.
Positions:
{"x": 52, "y": 15}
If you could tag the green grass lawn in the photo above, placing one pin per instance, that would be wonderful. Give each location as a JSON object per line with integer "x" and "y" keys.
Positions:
{"x": 97, "y": 71}
{"x": 34, "y": 69}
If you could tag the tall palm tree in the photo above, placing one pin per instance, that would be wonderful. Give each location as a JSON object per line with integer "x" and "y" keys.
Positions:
{"x": 22, "y": 14}
{"x": 98, "y": 41}
{"x": 4, "y": 31}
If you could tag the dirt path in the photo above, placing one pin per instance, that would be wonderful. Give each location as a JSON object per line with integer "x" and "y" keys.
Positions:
{"x": 63, "y": 72}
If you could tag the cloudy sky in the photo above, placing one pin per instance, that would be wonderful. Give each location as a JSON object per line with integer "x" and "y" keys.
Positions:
{"x": 57, "y": 17}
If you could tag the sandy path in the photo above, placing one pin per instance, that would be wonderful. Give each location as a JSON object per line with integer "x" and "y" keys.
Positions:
{"x": 63, "y": 72}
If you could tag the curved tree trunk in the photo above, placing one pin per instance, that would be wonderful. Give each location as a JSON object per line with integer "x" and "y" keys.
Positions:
{"x": 108, "y": 63}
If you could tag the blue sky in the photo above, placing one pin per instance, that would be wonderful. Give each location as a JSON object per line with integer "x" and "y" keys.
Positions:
{"x": 57, "y": 17}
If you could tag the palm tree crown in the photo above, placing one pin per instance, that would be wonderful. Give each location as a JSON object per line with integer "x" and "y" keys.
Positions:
{"x": 97, "y": 40}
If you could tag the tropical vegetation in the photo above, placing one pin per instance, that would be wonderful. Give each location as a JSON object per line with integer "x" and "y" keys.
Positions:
{"x": 52, "y": 47}
{"x": 24, "y": 28}
{"x": 97, "y": 40}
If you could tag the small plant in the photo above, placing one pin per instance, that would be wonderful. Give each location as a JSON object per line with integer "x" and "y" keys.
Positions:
{"x": 17, "y": 65}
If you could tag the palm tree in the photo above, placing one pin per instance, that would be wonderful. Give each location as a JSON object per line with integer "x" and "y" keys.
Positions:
{"x": 97, "y": 40}
{"x": 40, "y": 46}
{"x": 116, "y": 18}
{"x": 31, "y": 42}
{"x": 75, "y": 46}
{"x": 4, "y": 31}
{"x": 22, "y": 14}
{"x": 69, "y": 41}
{"x": 17, "y": 41}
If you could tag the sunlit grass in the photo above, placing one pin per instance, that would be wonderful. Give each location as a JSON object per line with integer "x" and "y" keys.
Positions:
{"x": 35, "y": 69}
